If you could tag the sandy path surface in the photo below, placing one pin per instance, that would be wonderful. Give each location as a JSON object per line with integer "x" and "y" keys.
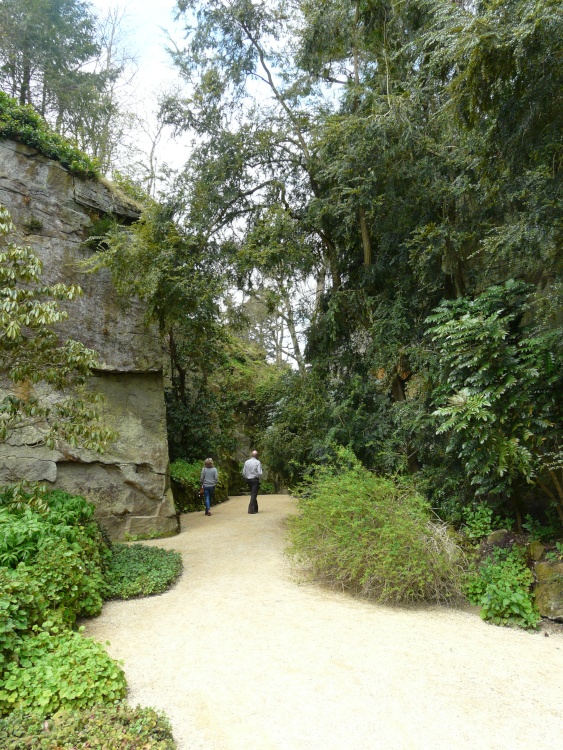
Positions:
{"x": 241, "y": 656}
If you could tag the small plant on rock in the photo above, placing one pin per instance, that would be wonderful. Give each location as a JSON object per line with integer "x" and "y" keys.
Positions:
{"x": 501, "y": 586}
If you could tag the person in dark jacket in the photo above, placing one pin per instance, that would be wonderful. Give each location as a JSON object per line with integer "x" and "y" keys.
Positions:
{"x": 208, "y": 480}
{"x": 252, "y": 472}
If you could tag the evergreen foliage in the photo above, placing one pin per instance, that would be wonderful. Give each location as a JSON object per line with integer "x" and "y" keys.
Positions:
{"x": 501, "y": 587}
{"x": 187, "y": 475}
{"x": 52, "y": 562}
{"x": 504, "y": 418}
{"x": 23, "y": 124}
{"x": 60, "y": 59}
{"x": 55, "y": 567}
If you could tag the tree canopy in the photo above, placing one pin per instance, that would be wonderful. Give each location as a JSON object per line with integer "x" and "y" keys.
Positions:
{"x": 373, "y": 194}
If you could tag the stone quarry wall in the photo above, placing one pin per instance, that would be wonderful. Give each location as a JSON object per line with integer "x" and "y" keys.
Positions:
{"x": 52, "y": 212}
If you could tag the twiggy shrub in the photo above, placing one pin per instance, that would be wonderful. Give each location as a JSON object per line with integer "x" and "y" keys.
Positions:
{"x": 374, "y": 536}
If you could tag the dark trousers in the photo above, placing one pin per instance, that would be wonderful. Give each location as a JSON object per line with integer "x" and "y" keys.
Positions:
{"x": 253, "y": 485}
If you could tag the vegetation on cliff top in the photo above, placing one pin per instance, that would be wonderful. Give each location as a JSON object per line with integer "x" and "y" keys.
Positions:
{"x": 24, "y": 125}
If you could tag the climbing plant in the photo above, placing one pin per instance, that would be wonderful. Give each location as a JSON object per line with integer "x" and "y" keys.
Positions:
{"x": 32, "y": 357}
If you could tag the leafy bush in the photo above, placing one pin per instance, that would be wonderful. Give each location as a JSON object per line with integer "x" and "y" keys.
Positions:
{"x": 116, "y": 727}
{"x": 71, "y": 578}
{"x": 542, "y": 532}
{"x": 57, "y": 670}
{"x": 267, "y": 488}
{"x": 501, "y": 399}
{"x": 53, "y": 557}
{"x": 23, "y": 124}
{"x": 58, "y": 546}
{"x": 186, "y": 475}
{"x": 23, "y": 606}
{"x": 501, "y": 587}
{"x": 373, "y": 535}
{"x": 138, "y": 570}
{"x": 480, "y": 521}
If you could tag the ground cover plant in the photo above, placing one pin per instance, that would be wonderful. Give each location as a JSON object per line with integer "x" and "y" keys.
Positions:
{"x": 56, "y": 566}
{"x": 52, "y": 559}
{"x": 139, "y": 570}
{"x": 116, "y": 727}
{"x": 373, "y": 535}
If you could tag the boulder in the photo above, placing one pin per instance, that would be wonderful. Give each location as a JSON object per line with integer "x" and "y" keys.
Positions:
{"x": 535, "y": 551}
{"x": 497, "y": 538}
{"x": 53, "y": 212}
{"x": 549, "y": 589}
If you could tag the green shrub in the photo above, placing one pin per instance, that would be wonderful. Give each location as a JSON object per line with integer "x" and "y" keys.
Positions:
{"x": 71, "y": 578}
{"x": 27, "y": 519}
{"x": 115, "y": 727}
{"x": 61, "y": 547}
{"x": 139, "y": 570}
{"x": 480, "y": 522}
{"x": 53, "y": 557}
{"x": 267, "y": 488}
{"x": 23, "y": 606}
{"x": 60, "y": 670}
{"x": 374, "y": 536}
{"x": 186, "y": 475}
{"x": 23, "y": 124}
{"x": 501, "y": 586}
{"x": 542, "y": 532}
{"x": 20, "y": 535}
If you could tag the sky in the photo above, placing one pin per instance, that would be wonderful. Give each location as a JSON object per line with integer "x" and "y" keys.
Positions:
{"x": 144, "y": 21}
{"x": 144, "y": 24}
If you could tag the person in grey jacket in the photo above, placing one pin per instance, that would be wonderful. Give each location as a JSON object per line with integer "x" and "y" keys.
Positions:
{"x": 252, "y": 472}
{"x": 208, "y": 480}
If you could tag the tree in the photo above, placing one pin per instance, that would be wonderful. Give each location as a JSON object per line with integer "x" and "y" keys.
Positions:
{"x": 31, "y": 356}
{"x": 504, "y": 416}
{"x": 56, "y": 56}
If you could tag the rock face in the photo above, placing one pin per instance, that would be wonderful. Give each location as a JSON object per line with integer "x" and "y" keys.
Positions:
{"x": 52, "y": 211}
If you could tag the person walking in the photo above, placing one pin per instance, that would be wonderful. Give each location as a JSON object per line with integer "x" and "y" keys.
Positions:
{"x": 208, "y": 480}
{"x": 252, "y": 472}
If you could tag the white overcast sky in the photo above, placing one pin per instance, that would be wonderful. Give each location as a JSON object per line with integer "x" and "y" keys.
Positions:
{"x": 145, "y": 23}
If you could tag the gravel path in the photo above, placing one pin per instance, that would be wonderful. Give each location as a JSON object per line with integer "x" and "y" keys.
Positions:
{"x": 243, "y": 657}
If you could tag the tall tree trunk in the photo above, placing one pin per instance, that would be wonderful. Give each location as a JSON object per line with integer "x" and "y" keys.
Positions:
{"x": 366, "y": 242}
{"x": 25, "y": 82}
{"x": 174, "y": 359}
{"x": 289, "y": 319}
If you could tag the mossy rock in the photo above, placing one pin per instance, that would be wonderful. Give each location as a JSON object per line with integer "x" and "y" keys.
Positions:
{"x": 535, "y": 551}
{"x": 549, "y": 589}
